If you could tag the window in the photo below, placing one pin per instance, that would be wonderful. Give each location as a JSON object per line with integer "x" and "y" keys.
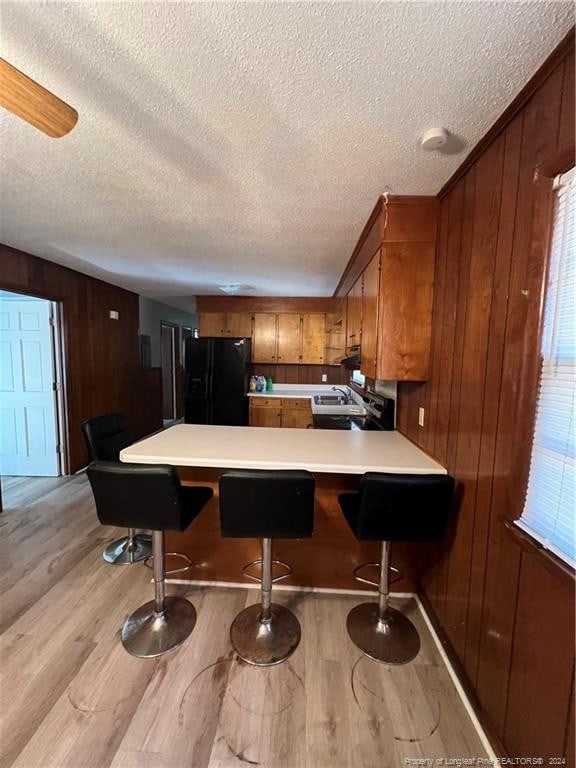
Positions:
{"x": 549, "y": 514}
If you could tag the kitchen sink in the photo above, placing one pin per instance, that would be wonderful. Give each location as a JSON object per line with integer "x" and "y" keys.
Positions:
{"x": 331, "y": 400}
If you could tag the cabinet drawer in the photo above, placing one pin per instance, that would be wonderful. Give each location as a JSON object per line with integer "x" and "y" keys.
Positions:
{"x": 265, "y": 402}
{"x": 296, "y": 402}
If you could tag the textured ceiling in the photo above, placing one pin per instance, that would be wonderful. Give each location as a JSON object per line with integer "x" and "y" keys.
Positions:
{"x": 246, "y": 143}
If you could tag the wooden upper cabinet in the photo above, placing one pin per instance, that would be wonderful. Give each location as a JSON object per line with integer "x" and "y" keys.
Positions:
{"x": 212, "y": 324}
{"x": 239, "y": 324}
{"x": 289, "y": 338}
{"x": 370, "y": 302}
{"x": 392, "y": 321}
{"x": 264, "y": 339}
{"x": 313, "y": 339}
{"x": 354, "y": 314}
{"x": 405, "y": 311}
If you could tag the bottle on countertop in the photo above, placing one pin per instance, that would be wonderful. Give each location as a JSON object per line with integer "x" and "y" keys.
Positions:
{"x": 252, "y": 384}
{"x": 269, "y": 384}
{"x": 260, "y": 383}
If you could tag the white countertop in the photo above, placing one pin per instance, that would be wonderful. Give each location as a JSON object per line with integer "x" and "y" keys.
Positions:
{"x": 307, "y": 392}
{"x": 295, "y": 390}
{"x": 318, "y": 450}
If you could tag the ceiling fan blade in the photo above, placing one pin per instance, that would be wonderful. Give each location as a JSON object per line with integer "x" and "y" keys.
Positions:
{"x": 33, "y": 103}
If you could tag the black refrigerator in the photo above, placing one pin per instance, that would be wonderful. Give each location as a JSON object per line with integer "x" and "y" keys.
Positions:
{"x": 216, "y": 381}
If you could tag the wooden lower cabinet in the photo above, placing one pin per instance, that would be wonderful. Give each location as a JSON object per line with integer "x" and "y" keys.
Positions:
{"x": 294, "y": 413}
{"x": 266, "y": 417}
{"x": 296, "y": 418}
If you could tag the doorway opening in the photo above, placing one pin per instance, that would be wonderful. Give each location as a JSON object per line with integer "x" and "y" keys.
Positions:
{"x": 32, "y": 420}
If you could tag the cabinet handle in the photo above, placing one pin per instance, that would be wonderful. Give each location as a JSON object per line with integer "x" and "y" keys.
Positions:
{"x": 279, "y": 357}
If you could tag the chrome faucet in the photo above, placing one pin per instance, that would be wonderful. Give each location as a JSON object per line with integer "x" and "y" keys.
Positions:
{"x": 343, "y": 391}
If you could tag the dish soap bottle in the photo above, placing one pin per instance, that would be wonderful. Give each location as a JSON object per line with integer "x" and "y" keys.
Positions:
{"x": 252, "y": 385}
{"x": 269, "y": 384}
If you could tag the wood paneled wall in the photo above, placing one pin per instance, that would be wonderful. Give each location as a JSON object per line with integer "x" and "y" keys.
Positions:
{"x": 101, "y": 355}
{"x": 506, "y": 610}
{"x": 303, "y": 374}
{"x": 266, "y": 304}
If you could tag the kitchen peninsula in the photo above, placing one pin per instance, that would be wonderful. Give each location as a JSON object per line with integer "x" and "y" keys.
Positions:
{"x": 337, "y": 458}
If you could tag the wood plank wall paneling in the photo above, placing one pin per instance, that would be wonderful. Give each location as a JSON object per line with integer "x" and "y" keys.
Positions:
{"x": 267, "y": 304}
{"x": 508, "y": 620}
{"x": 102, "y": 359}
{"x": 302, "y": 374}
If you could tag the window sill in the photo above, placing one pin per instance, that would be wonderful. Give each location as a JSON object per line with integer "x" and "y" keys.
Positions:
{"x": 533, "y": 547}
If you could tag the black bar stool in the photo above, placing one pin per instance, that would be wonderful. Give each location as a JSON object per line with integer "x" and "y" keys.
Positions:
{"x": 266, "y": 505}
{"x": 148, "y": 496}
{"x": 105, "y": 437}
{"x": 391, "y": 507}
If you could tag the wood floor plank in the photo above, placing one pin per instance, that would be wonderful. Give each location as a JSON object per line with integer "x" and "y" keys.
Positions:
{"x": 80, "y": 701}
{"x": 34, "y": 675}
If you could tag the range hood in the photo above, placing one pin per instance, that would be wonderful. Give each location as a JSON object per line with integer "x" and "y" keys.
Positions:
{"x": 352, "y": 360}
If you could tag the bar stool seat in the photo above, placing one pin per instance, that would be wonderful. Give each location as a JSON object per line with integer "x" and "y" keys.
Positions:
{"x": 266, "y": 504}
{"x": 392, "y": 507}
{"x": 105, "y": 437}
{"x": 149, "y": 496}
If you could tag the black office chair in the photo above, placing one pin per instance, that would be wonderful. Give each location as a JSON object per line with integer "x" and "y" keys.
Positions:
{"x": 148, "y": 496}
{"x": 391, "y": 507}
{"x": 266, "y": 505}
{"x": 105, "y": 437}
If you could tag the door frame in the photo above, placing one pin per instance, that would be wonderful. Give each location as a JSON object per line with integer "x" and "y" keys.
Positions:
{"x": 175, "y": 351}
{"x": 57, "y": 344}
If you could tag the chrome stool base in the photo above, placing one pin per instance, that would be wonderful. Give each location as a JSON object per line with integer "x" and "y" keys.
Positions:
{"x": 264, "y": 643}
{"x": 120, "y": 552}
{"x": 148, "y": 633}
{"x": 391, "y": 638}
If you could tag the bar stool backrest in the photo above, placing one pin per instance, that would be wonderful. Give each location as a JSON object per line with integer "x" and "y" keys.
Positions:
{"x": 267, "y": 504}
{"x": 106, "y": 436}
{"x": 397, "y": 507}
{"x": 137, "y": 495}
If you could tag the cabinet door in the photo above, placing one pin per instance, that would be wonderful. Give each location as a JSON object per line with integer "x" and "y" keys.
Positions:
{"x": 212, "y": 324}
{"x": 265, "y": 417}
{"x": 296, "y": 418}
{"x": 264, "y": 339}
{"x": 313, "y": 338}
{"x": 289, "y": 338}
{"x": 370, "y": 295}
{"x": 354, "y": 314}
{"x": 358, "y": 293}
{"x": 407, "y": 289}
{"x": 239, "y": 325}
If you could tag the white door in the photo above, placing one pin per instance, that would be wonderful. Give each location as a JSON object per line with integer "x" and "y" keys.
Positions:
{"x": 28, "y": 434}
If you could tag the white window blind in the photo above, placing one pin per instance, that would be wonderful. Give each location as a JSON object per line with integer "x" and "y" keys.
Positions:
{"x": 549, "y": 512}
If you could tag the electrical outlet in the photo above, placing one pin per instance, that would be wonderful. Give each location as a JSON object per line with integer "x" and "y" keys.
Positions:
{"x": 324, "y": 378}
{"x": 420, "y": 417}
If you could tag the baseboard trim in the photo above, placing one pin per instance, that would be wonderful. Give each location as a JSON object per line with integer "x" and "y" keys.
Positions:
{"x": 468, "y": 706}
{"x": 284, "y": 588}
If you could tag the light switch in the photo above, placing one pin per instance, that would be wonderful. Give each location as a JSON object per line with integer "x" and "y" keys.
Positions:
{"x": 420, "y": 417}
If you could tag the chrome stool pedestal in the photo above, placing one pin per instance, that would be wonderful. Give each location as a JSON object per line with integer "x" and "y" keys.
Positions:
{"x": 379, "y": 631}
{"x": 162, "y": 624}
{"x": 267, "y": 633}
{"x": 129, "y": 549}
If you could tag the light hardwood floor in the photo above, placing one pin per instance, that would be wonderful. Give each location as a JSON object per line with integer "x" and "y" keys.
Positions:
{"x": 71, "y": 696}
